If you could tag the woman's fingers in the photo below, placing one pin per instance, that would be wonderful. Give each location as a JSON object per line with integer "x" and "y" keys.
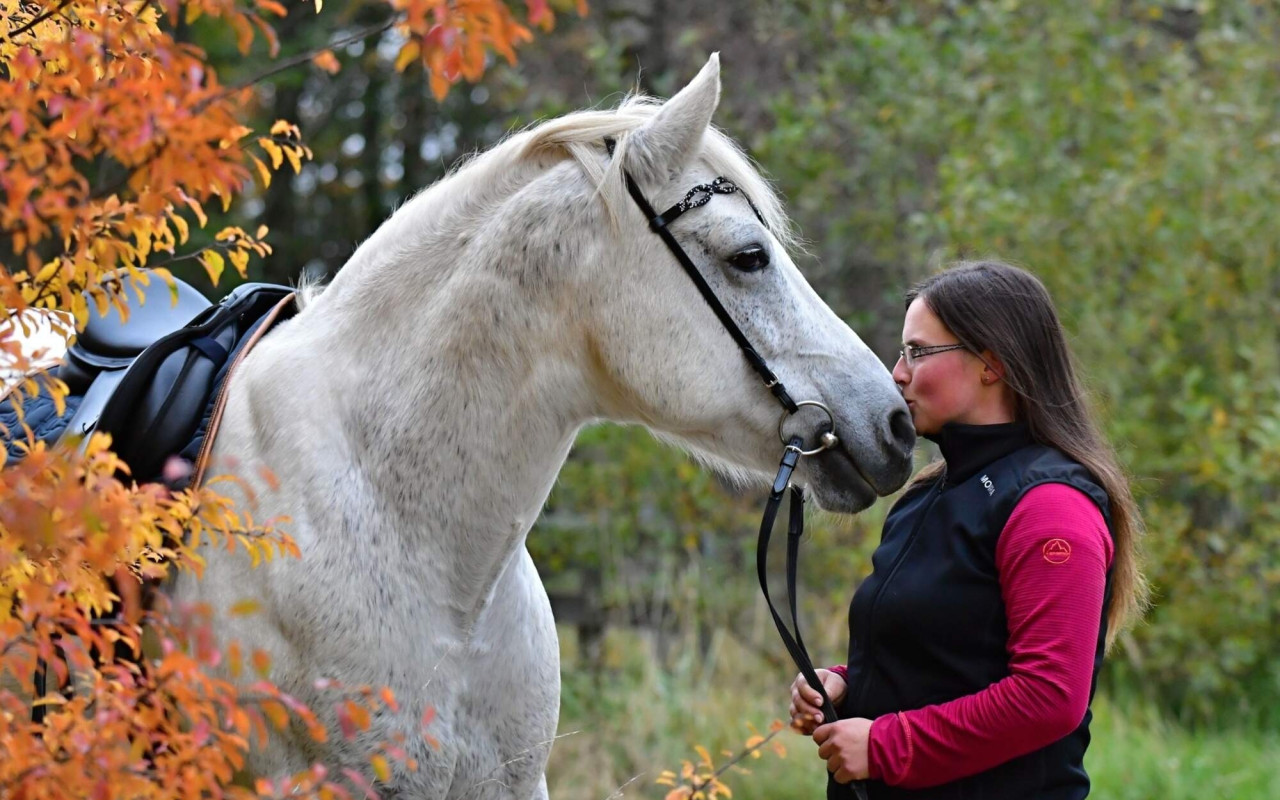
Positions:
{"x": 806, "y": 706}
{"x": 804, "y": 702}
{"x": 801, "y": 689}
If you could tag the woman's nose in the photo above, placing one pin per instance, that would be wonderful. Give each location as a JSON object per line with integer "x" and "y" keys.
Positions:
{"x": 901, "y": 375}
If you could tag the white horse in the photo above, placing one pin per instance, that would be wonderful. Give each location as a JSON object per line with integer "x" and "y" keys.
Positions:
{"x": 417, "y": 410}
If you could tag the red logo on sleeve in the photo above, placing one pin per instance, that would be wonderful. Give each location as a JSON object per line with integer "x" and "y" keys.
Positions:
{"x": 1056, "y": 551}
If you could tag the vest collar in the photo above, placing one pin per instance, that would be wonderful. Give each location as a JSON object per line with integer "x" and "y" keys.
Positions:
{"x": 969, "y": 448}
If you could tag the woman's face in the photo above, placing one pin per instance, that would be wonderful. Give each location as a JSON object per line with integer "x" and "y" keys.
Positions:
{"x": 942, "y": 387}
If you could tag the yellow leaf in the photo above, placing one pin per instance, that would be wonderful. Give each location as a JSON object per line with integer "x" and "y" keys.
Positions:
{"x": 380, "y": 768}
{"x": 244, "y": 608}
{"x": 319, "y": 5}
{"x": 144, "y": 244}
{"x": 59, "y": 398}
{"x": 80, "y": 310}
{"x": 261, "y": 232}
{"x": 198, "y": 209}
{"x": 273, "y": 150}
{"x": 409, "y": 53}
{"x": 294, "y": 160}
{"x": 214, "y": 263}
{"x": 263, "y": 172}
{"x": 181, "y": 224}
{"x": 240, "y": 260}
{"x": 703, "y": 754}
{"x": 138, "y": 750}
{"x": 48, "y": 271}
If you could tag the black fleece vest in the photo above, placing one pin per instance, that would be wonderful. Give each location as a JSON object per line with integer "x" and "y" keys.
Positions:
{"x": 928, "y": 625}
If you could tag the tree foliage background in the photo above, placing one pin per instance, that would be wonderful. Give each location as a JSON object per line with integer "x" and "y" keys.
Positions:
{"x": 1125, "y": 151}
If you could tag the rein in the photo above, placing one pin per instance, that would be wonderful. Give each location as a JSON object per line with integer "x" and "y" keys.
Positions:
{"x": 793, "y": 450}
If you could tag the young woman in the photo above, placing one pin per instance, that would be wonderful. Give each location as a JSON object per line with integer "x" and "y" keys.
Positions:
{"x": 1002, "y": 573}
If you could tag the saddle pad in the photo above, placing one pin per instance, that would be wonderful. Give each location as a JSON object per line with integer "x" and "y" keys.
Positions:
{"x": 40, "y": 414}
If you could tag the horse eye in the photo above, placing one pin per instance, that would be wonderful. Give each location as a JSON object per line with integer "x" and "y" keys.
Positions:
{"x": 752, "y": 259}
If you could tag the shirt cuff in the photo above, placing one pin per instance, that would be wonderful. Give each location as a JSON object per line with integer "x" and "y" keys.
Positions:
{"x": 890, "y": 749}
{"x": 841, "y": 670}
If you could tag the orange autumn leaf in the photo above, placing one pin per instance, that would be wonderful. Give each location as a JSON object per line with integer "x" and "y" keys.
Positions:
{"x": 327, "y": 61}
{"x": 261, "y": 661}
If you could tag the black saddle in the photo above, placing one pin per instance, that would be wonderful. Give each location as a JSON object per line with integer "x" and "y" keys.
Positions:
{"x": 151, "y": 381}
{"x": 94, "y": 366}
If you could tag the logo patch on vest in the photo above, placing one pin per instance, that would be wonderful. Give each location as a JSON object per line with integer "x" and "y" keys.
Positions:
{"x": 1056, "y": 551}
{"x": 989, "y": 486}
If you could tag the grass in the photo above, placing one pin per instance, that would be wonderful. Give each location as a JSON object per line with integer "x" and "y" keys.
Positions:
{"x": 1137, "y": 755}
{"x": 620, "y": 728}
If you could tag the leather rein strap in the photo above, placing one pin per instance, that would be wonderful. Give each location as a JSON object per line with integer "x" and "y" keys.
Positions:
{"x": 699, "y": 196}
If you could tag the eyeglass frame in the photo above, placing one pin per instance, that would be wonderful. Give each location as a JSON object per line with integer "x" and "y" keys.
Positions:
{"x": 922, "y": 351}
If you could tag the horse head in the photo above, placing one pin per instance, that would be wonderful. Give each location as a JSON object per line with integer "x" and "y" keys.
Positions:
{"x": 661, "y": 357}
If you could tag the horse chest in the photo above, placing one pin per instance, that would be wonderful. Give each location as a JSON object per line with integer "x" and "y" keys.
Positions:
{"x": 494, "y": 691}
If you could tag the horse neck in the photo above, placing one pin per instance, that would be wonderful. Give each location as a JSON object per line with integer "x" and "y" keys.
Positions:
{"x": 458, "y": 399}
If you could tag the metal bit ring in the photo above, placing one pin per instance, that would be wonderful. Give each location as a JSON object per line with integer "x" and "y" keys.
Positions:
{"x": 827, "y": 441}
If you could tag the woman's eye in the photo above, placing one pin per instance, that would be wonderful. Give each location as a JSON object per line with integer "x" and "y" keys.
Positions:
{"x": 752, "y": 259}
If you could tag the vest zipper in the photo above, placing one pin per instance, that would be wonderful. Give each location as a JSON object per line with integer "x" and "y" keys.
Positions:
{"x": 865, "y": 678}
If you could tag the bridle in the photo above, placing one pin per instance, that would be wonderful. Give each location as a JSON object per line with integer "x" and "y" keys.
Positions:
{"x": 793, "y": 448}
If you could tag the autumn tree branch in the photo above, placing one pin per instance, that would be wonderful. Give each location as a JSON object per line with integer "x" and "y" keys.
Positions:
{"x": 11, "y": 35}
{"x": 302, "y": 58}
{"x": 733, "y": 761}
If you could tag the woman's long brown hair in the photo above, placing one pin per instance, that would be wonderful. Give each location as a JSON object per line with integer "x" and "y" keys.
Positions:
{"x": 993, "y": 306}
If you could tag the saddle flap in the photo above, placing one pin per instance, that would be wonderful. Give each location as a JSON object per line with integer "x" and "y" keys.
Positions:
{"x": 160, "y": 403}
{"x": 94, "y": 400}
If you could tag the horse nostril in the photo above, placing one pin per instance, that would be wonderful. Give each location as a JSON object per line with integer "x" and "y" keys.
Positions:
{"x": 902, "y": 431}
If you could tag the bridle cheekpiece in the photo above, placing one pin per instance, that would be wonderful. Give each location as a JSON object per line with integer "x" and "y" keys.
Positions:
{"x": 793, "y": 450}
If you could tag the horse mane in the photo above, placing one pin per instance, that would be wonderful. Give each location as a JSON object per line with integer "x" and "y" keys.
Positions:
{"x": 579, "y": 136}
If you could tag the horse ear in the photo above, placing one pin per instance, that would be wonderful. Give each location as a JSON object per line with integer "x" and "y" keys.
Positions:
{"x": 661, "y": 148}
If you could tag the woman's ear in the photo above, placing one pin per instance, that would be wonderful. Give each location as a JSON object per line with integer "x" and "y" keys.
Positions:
{"x": 993, "y": 368}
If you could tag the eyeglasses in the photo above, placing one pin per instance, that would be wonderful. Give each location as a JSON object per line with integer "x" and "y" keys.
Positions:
{"x": 911, "y": 353}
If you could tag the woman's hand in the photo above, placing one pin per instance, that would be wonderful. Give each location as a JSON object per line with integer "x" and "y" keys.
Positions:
{"x": 806, "y": 704}
{"x": 843, "y": 745}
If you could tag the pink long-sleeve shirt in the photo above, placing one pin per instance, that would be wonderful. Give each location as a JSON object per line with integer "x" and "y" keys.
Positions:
{"x": 1052, "y": 557}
